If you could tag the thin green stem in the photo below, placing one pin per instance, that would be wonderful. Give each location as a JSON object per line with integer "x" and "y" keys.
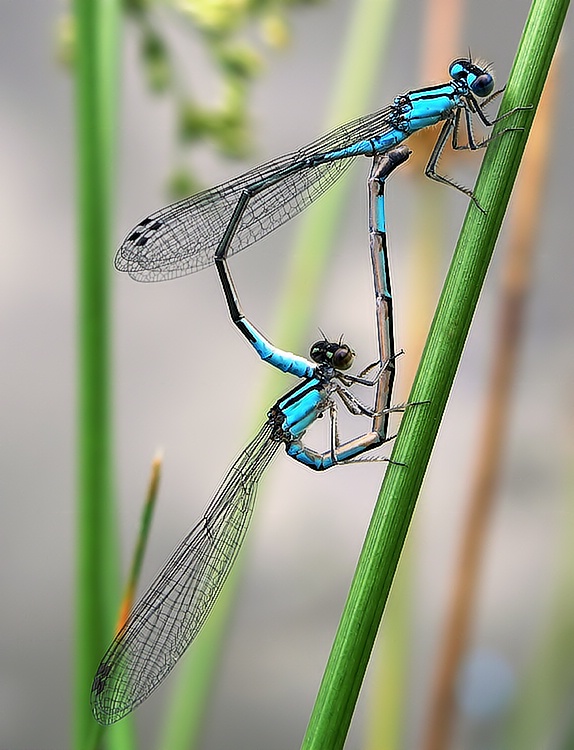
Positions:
{"x": 331, "y": 717}
{"x": 146, "y": 519}
{"x": 96, "y": 577}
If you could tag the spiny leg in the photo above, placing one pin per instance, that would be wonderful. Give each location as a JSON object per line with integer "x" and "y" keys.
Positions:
{"x": 450, "y": 125}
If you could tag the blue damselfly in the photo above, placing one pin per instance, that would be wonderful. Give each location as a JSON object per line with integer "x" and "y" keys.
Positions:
{"x": 184, "y": 237}
{"x": 170, "y": 614}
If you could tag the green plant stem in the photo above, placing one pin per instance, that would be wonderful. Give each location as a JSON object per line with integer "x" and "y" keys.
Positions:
{"x": 524, "y": 221}
{"x": 96, "y": 64}
{"x": 141, "y": 541}
{"x": 339, "y": 690}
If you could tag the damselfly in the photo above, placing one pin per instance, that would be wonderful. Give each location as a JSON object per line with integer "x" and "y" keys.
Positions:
{"x": 184, "y": 237}
{"x": 170, "y": 614}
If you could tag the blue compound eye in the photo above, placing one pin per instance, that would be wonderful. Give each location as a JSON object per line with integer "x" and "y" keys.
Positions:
{"x": 458, "y": 69}
{"x": 482, "y": 85}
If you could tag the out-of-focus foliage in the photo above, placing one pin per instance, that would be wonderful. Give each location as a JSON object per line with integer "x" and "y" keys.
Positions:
{"x": 236, "y": 36}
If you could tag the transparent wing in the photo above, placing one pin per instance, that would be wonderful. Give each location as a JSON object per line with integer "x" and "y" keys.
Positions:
{"x": 183, "y": 237}
{"x": 170, "y": 614}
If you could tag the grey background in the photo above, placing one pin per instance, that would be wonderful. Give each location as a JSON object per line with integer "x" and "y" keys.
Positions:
{"x": 185, "y": 380}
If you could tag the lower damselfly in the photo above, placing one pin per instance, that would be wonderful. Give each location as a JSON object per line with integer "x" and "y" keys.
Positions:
{"x": 170, "y": 614}
{"x": 185, "y": 236}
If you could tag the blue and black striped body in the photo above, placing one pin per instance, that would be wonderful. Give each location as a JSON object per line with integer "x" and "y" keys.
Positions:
{"x": 297, "y": 410}
{"x": 293, "y": 414}
{"x": 186, "y": 236}
{"x": 409, "y": 113}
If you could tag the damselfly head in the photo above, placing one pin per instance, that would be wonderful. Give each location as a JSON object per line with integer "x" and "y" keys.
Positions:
{"x": 332, "y": 353}
{"x": 477, "y": 76}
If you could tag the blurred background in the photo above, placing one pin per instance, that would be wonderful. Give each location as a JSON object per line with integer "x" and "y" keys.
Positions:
{"x": 184, "y": 380}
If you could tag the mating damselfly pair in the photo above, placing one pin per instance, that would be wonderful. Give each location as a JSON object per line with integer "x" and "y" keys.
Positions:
{"x": 207, "y": 228}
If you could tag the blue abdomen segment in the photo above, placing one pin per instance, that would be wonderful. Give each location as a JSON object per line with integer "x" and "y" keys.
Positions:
{"x": 369, "y": 147}
{"x": 313, "y": 460}
{"x": 282, "y": 360}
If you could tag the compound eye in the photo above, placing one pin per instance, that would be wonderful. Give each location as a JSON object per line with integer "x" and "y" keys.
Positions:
{"x": 343, "y": 358}
{"x": 458, "y": 69}
{"x": 482, "y": 85}
{"x": 317, "y": 352}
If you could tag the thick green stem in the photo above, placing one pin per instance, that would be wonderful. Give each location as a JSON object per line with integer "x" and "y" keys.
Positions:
{"x": 96, "y": 93}
{"x": 376, "y": 568}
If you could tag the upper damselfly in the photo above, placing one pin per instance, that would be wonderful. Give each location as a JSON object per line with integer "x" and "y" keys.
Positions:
{"x": 170, "y": 614}
{"x": 184, "y": 237}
